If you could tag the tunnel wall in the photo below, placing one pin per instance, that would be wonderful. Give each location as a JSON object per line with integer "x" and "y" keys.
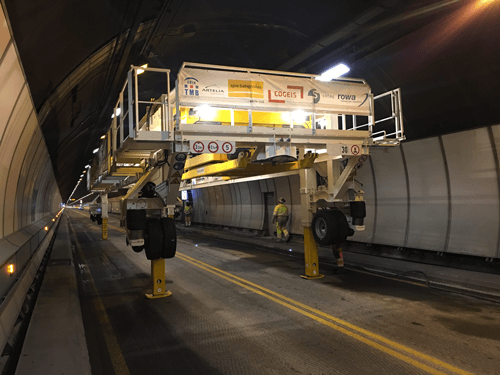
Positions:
{"x": 440, "y": 194}
{"x": 29, "y": 196}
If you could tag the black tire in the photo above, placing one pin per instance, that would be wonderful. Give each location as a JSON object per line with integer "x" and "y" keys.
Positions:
{"x": 154, "y": 239}
{"x": 324, "y": 227}
{"x": 136, "y": 219}
{"x": 169, "y": 238}
{"x": 92, "y": 217}
{"x": 343, "y": 227}
{"x": 137, "y": 249}
{"x": 98, "y": 218}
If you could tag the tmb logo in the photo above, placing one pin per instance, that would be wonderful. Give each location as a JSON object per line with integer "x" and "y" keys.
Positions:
{"x": 315, "y": 94}
{"x": 191, "y": 86}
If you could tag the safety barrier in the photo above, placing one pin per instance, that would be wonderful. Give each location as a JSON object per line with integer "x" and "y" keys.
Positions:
{"x": 20, "y": 256}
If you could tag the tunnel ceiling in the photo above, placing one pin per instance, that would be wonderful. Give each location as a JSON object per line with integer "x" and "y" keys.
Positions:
{"x": 443, "y": 54}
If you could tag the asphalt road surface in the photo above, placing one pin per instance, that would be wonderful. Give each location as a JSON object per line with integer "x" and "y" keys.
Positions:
{"x": 239, "y": 309}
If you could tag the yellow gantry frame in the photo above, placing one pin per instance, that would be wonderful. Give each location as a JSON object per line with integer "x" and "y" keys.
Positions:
{"x": 241, "y": 167}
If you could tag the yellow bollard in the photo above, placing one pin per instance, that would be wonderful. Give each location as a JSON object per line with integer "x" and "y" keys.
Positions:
{"x": 104, "y": 228}
{"x": 158, "y": 279}
{"x": 311, "y": 256}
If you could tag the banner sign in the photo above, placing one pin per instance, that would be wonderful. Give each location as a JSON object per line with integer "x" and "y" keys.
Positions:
{"x": 271, "y": 93}
{"x": 212, "y": 147}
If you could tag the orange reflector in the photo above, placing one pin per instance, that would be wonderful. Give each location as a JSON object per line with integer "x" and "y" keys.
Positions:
{"x": 10, "y": 268}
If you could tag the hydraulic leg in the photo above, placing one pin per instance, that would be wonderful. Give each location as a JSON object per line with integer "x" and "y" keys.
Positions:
{"x": 158, "y": 289}
{"x": 311, "y": 256}
{"x": 104, "y": 215}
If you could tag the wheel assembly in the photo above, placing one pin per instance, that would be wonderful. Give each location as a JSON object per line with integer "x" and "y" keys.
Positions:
{"x": 153, "y": 239}
{"x": 136, "y": 219}
{"x": 330, "y": 227}
{"x": 169, "y": 237}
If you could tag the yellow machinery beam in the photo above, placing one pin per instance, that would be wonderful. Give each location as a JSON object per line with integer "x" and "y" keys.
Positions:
{"x": 243, "y": 168}
{"x": 221, "y": 169}
{"x": 203, "y": 159}
{"x": 126, "y": 171}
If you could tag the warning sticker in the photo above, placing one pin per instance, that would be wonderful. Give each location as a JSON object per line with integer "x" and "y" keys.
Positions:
{"x": 175, "y": 181}
{"x": 176, "y": 174}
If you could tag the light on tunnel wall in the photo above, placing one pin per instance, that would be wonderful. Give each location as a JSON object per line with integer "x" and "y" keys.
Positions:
{"x": 95, "y": 151}
{"x": 336, "y": 71}
{"x": 104, "y": 136}
{"x": 10, "y": 269}
{"x": 46, "y": 228}
{"x": 54, "y": 219}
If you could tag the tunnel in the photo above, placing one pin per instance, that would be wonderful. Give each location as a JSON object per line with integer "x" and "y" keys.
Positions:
{"x": 218, "y": 187}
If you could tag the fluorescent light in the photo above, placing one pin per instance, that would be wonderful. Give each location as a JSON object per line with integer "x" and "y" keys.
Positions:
{"x": 206, "y": 112}
{"x": 95, "y": 151}
{"x": 336, "y": 71}
{"x": 140, "y": 71}
{"x": 299, "y": 116}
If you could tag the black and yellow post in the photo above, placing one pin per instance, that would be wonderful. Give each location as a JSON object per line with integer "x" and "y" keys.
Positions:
{"x": 104, "y": 228}
{"x": 104, "y": 215}
{"x": 158, "y": 289}
{"x": 311, "y": 256}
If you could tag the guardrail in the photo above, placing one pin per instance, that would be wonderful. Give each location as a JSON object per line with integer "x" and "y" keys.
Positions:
{"x": 20, "y": 256}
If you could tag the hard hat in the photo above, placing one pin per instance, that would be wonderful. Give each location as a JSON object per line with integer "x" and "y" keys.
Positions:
{"x": 281, "y": 200}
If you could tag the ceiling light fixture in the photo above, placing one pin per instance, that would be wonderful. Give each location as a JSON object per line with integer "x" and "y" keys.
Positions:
{"x": 336, "y": 71}
{"x": 140, "y": 71}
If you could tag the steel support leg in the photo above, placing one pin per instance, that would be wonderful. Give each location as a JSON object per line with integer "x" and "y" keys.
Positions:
{"x": 104, "y": 215}
{"x": 158, "y": 289}
{"x": 158, "y": 280}
{"x": 311, "y": 256}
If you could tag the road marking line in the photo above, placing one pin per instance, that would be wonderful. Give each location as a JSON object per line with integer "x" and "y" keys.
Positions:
{"x": 303, "y": 309}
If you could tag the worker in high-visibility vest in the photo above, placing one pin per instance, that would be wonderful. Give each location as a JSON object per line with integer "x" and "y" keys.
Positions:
{"x": 280, "y": 216}
{"x": 188, "y": 211}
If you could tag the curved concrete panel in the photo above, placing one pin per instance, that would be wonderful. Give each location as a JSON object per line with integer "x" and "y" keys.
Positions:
{"x": 474, "y": 193}
{"x": 228, "y": 203}
{"x": 257, "y": 211}
{"x": 245, "y": 206}
{"x": 428, "y": 195}
{"x": 392, "y": 197}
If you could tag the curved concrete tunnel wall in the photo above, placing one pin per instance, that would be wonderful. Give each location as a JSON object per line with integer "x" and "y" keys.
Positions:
{"x": 29, "y": 196}
{"x": 440, "y": 194}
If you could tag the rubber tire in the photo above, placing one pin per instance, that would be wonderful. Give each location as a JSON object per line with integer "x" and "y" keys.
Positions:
{"x": 324, "y": 227}
{"x": 92, "y": 217}
{"x": 154, "y": 239}
{"x": 136, "y": 219}
{"x": 343, "y": 228}
{"x": 98, "y": 219}
{"x": 169, "y": 238}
